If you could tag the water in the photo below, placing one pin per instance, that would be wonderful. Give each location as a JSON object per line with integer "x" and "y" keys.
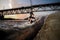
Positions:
{"x": 10, "y": 24}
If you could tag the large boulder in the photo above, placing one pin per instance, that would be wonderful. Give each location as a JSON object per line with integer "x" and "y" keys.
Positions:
{"x": 51, "y": 28}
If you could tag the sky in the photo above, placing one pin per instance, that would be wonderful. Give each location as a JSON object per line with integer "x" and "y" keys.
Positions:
{"x": 7, "y": 4}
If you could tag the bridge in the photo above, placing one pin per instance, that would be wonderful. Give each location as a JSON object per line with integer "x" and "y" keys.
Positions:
{"x": 35, "y": 8}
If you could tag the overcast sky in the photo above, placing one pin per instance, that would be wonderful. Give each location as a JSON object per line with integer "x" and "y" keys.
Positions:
{"x": 6, "y": 4}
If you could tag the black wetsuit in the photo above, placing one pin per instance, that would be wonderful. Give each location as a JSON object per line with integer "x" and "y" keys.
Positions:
{"x": 1, "y": 17}
{"x": 32, "y": 18}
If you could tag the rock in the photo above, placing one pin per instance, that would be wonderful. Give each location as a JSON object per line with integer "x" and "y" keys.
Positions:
{"x": 50, "y": 29}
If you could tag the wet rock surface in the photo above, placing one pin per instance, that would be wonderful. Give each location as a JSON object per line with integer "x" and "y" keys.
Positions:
{"x": 27, "y": 33}
{"x": 50, "y": 29}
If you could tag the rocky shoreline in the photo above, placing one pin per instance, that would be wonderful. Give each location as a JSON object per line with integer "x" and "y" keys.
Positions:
{"x": 22, "y": 34}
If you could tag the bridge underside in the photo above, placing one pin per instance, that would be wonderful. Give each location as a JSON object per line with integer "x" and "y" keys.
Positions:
{"x": 35, "y": 8}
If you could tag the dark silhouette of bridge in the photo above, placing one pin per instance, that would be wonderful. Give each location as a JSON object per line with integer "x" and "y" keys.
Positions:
{"x": 35, "y": 8}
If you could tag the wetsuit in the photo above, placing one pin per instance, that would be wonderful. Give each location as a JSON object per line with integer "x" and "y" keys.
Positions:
{"x": 32, "y": 19}
{"x": 1, "y": 17}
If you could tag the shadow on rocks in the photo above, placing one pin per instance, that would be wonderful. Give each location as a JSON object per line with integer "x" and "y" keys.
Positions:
{"x": 51, "y": 28}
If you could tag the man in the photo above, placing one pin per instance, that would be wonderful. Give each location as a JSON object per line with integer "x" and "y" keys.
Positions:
{"x": 1, "y": 17}
{"x": 31, "y": 18}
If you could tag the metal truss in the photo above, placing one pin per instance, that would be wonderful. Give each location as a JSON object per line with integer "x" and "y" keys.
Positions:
{"x": 36, "y": 8}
